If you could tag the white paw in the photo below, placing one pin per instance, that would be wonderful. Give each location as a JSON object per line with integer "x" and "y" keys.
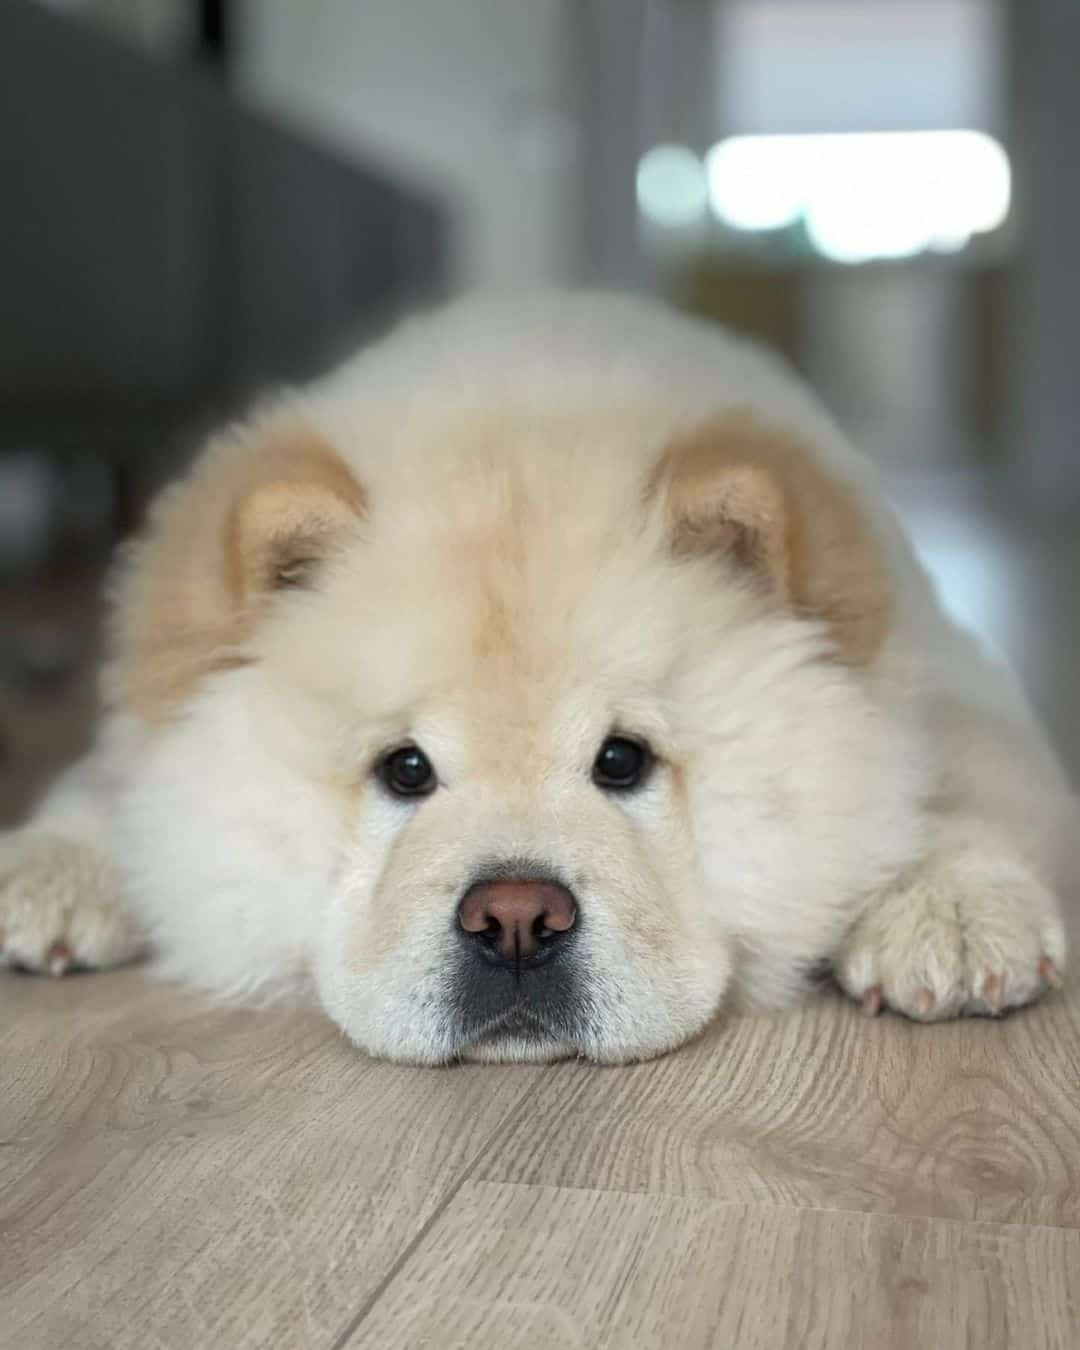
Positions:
{"x": 60, "y": 907}
{"x": 953, "y": 940}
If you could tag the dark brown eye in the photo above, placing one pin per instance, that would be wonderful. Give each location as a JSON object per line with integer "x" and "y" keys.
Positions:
{"x": 407, "y": 772}
{"x": 621, "y": 764}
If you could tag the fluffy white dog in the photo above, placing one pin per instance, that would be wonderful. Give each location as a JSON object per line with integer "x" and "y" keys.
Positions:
{"x": 548, "y": 675}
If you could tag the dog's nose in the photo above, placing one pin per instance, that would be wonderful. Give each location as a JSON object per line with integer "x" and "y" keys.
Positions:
{"x": 517, "y": 920}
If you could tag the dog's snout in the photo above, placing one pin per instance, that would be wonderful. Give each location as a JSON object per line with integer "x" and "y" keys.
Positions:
{"x": 517, "y": 920}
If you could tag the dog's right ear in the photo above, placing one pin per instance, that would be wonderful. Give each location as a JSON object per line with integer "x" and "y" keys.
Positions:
{"x": 739, "y": 490}
{"x": 261, "y": 511}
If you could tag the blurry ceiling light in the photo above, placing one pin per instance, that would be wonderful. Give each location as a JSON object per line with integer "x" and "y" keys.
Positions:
{"x": 975, "y": 183}
{"x": 671, "y": 186}
{"x": 943, "y": 242}
{"x": 855, "y": 232}
{"x": 864, "y": 195}
{"x": 757, "y": 182}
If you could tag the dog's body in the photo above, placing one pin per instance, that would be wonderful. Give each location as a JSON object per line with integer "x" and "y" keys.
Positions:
{"x": 377, "y": 663}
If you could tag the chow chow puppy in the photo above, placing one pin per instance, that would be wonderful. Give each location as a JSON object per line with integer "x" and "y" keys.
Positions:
{"x": 548, "y": 677}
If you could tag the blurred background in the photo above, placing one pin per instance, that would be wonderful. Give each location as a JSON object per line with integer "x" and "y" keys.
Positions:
{"x": 204, "y": 197}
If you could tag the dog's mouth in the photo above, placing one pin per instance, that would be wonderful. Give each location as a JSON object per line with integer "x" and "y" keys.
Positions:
{"x": 532, "y": 1009}
{"x": 518, "y": 1023}
{"x": 519, "y": 1034}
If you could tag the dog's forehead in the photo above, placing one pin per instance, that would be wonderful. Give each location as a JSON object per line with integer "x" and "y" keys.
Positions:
{"x": 503, "y": 563}
{"x": 510, "y": 648}
{"x": 520, "y": 592}
{"x": 532, "y": 607}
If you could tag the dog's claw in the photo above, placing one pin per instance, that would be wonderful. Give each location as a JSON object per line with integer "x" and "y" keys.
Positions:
{"x": 993, "y": 992}
{"x": 1050, "y": 972}
{"x": 59, "y": 958}
{"x": 924, "y": 1002}
{"x": 870, "y": 1004}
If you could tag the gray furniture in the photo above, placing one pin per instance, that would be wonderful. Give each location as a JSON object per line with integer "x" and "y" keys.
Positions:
{"x": 164, "y": 252}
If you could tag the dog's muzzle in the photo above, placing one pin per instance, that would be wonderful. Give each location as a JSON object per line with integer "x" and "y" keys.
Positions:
{"x": 517, "y": 976}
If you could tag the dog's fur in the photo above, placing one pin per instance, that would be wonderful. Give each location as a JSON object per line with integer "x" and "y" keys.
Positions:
{"x": 505, "y": 532}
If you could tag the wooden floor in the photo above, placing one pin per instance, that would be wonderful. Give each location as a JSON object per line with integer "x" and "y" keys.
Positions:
{"x": 177, "y": 1176}
{"x": 173, "y": 1176}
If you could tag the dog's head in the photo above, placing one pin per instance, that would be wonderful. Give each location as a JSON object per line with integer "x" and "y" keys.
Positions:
{"x": 525, "y": 737}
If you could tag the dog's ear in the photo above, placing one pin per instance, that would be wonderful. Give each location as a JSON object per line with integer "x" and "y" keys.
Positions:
{"x": 742, "y": 490}
{"x": 261, "y": 511}
{"x": 299, "y": 503}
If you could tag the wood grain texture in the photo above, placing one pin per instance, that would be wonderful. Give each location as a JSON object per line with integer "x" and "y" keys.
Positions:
{"x": 174, "y": 1176}
{"x": 824, "y": 1108}
{"x": 547, "y": 1269}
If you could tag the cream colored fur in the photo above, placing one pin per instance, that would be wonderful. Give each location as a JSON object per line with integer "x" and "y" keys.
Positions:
{"x": 510, "y": 559}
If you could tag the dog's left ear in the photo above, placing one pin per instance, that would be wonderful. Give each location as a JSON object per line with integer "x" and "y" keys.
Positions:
{"x": 740, "y": 490}
{"x": 293, "y": 506}
{"x": 263, "y": 510}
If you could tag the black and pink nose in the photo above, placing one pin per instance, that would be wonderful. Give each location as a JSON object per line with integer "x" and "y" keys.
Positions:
{"x": 517, "y": 921}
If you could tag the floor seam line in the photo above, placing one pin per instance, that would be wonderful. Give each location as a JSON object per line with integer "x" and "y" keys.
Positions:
{"x": 703, "y": 1197}
{"x": 425, "y": 1228}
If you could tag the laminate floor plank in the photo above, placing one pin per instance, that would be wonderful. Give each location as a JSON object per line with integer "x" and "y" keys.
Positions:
{"x": 510, "y": 1267}
{"x": 823, "y": 1108}
{"x": 178, "y": 1176}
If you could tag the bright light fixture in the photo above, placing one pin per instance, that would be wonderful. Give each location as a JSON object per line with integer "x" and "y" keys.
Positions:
{"x": 757, "y": 182}
{"x": 671, "y": 186}
{"x": 863, "y": 195}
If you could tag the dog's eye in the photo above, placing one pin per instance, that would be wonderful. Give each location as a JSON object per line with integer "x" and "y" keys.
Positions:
{"x": 621, "y": 764}
{"x": 407, "y": 772}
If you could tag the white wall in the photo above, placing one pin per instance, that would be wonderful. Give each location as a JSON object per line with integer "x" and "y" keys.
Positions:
{"x": 858, "y": 65}
{"x": 472, "y": 99}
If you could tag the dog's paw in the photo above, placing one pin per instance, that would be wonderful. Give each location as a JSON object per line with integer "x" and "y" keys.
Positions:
{"x": 955, "y": 940}
{"x": 60, "y": 906}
